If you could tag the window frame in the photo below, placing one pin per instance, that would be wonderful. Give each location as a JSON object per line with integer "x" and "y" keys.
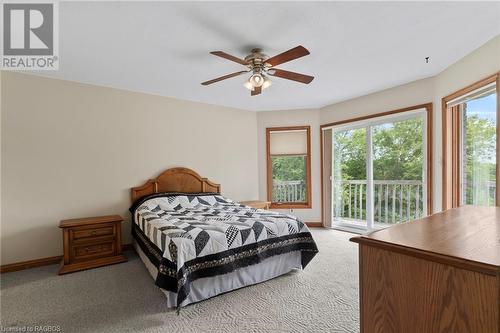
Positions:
{"x": 288, "y": 205}
{"x": 451, "y": 123}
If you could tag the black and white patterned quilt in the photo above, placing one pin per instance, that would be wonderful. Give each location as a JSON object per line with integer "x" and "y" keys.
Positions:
{"x": 190, "y": 236}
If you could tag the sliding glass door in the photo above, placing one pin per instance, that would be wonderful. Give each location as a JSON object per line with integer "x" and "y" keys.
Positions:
{"x": 379, "y": 171}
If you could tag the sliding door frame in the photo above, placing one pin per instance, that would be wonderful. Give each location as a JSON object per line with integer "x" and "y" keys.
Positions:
{"x": 451, "y": 143}
{"x": 428, "y": 132}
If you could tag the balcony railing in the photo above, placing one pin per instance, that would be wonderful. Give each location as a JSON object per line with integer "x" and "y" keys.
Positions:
{"x": 481, "y": 193}
{"x": 289, "y": 191}
{"x": 394, "y": 200}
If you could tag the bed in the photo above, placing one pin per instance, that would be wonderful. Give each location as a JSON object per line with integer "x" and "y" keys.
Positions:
{"x": 197, "y": 243}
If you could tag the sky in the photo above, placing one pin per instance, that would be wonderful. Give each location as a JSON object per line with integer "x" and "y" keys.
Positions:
{"x": 484, "y": 107}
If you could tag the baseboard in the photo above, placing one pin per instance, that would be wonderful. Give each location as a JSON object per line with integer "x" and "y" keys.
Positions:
{"x": 18, "y": 266}
{"x": 80, "y": 266}
{"x": 314, "y": 224}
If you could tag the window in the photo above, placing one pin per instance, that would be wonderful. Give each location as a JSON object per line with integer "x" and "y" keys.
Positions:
{"x": 470, "y": 145}
{"x": 289, "y": 167}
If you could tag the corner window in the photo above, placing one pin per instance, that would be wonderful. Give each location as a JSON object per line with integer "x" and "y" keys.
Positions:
{"x": 289, "y": 166}
{"x": 470, "y": 145}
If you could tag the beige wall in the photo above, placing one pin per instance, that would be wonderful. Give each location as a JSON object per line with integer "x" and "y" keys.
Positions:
{"x": 479, "y": 64}
{"x": 292, "y": 118}
{"x": 74, "y": 150}
{"x": 417, "y": 92}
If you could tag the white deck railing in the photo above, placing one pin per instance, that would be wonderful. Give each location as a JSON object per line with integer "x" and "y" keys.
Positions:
{"x": 482, "y": 193}
{"x": 394, "y": 200}
{"x": 289, "y": 191}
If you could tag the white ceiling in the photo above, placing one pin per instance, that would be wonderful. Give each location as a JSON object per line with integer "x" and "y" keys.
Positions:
{"x": 356, "y": 47}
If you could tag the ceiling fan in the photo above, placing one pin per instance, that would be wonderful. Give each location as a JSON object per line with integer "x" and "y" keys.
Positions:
{"x": 261, "y": 66}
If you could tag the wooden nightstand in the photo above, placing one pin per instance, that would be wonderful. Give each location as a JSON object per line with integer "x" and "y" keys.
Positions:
{"x": 257, "y": 204}
{"x": 91, "y": 242}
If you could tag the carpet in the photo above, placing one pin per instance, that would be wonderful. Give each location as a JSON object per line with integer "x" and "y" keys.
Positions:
{"x": 123, "y": 298}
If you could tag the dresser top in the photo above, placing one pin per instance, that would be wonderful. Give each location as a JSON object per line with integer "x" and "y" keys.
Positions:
{"x": 90, "y": 220}
{"x": 468, "y": 233}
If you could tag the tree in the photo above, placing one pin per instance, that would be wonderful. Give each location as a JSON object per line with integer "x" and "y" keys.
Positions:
{"x": 349, "y": 149}
{"x": 480, "y": 155}
{"x": 397, "y": 152}
{"x": 289, "y": 168}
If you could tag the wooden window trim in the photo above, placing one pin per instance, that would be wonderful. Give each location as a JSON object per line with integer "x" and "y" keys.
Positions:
{"x": 450, "y": 124}
{"x": 288, "y": 205}
{"x": 427, "y": 107}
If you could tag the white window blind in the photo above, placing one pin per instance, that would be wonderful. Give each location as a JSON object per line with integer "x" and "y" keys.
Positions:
{"x": 483, "y": 91}
{"x": 288, "y": 142}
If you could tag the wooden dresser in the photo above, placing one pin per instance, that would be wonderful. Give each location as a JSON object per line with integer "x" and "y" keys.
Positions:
{"x": 437, "y": 274}
{"x": 91, "y": 242}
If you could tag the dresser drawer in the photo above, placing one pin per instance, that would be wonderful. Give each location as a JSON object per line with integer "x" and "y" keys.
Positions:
{"x": 91, "y": 232}
{"x": 84, "y": 252}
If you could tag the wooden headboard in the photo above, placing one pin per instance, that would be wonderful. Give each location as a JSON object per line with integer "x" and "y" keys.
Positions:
{"x": 175, "y": 180}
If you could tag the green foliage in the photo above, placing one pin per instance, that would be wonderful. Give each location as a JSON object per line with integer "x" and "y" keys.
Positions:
{"x": 480, "y": 139}
{"x": 397, "y": 152}
{"x": 349, "y": 149}
{"x": 289, "y": 168}
{"x": 397, "y": 155}
{"x": 480, "y": 154}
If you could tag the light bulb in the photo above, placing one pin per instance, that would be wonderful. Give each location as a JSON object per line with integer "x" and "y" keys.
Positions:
{"x": 267, "y": 83}
{"x": 257, "y": 80}
{"x": 248, "y": 85}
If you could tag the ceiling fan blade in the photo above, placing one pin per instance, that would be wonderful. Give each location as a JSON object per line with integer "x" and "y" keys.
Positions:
{"x": 229, "y": 57}
{"x": 256, "y": 91}
{"x": 302, "y": 78}
{"x": 206, "y": 83}
{"x": 289, "y": 55}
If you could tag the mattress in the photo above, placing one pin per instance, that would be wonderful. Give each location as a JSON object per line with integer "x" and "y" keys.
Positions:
{"x": 192, "y": 237}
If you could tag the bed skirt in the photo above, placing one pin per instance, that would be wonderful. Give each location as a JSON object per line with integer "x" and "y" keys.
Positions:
{"x": 205, "y": 288}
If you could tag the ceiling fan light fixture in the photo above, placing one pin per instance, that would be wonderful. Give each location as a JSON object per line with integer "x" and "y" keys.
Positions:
{"x": 267, "y": 83}
{"x": 256, "y": 80}
{"x": 260, "y": 67}
{"x": 248, "y": 85}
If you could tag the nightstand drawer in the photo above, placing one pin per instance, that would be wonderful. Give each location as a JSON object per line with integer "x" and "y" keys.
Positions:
{"x": 83, "y": 252}
{"x": 81, "y": 233}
